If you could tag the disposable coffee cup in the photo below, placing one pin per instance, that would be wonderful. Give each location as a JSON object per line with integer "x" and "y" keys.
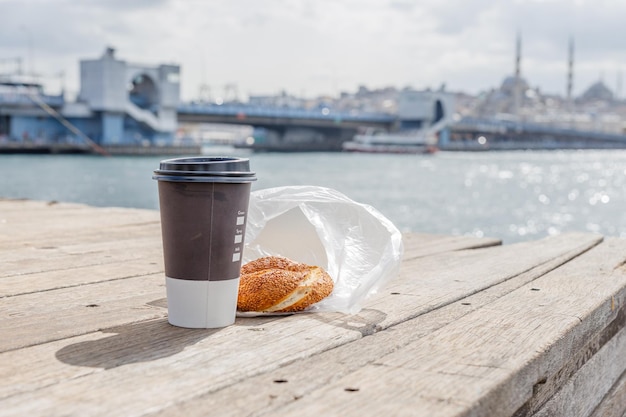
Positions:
{"x": 204, "y": 208}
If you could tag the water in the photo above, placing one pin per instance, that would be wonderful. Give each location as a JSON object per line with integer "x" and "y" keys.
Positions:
{"x": 513, "y": 196}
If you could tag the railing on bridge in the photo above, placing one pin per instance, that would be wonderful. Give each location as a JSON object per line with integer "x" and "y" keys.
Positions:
{"x": 511, "y": 126}
{"x": 283, "y": 112}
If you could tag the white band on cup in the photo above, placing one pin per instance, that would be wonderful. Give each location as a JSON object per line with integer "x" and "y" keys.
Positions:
{"x": 201, "y": 304}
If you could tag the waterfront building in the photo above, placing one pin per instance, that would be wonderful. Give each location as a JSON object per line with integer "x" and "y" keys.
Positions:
{"x": 119, "y": 103}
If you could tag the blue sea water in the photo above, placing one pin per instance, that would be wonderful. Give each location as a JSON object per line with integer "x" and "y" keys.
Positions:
{"x": 513, "y": 196}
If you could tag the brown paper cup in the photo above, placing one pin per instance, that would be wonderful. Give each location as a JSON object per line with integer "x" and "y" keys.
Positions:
{"x": 204, "y": 206}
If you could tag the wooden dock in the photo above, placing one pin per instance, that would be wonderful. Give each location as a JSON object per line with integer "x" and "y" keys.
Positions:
{"x": 469, "y": 328}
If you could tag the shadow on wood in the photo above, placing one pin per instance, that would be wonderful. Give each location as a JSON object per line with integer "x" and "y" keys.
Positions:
{"x": 132, "y": 343}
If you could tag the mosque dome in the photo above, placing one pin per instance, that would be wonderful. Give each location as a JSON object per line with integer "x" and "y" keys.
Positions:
{"x": 508, "y": 85}
{"x": 598, "y": 91}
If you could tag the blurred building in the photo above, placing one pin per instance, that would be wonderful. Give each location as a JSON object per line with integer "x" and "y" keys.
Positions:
{"x": 119, "y": 103}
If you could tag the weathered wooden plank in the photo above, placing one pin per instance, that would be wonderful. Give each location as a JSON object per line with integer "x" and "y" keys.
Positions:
{"x": 29, "y": 212}
{"x": 52, "y": 258}
{"x": 254, "y": 393}
{"x": 418, "y": 245}
{"x": 25, "y": 223}
{"x": 264, "y": 394}
{"x": 26, "y": 359}
{"x": 489, "y": 361}
{"x": 29, "y": 216}
{"x": 586, "y": 389}
{"x": 12, "y": 205}
{"x": 105, "y": 269}
{"x": 63, "y": 245}
{"x": 185, "y": 361}
{"x": 31, "y": 222}
{"x": 221, "y": 358}
{"x": 56, "y": 230}
{"x": 61, "y": 215}
{"x": 614, "y": 404}
{"x": 411, "y": 297}
{"x": 440, "y": 279}
{"x": 47, "y": 237}
{"x": 57, "y": 314}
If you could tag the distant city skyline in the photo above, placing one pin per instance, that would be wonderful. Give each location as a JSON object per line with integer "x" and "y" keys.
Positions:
{"x": 312, "y": 48}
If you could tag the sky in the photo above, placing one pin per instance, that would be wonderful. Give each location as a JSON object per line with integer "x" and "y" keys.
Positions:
{"x": 309, "y": 48}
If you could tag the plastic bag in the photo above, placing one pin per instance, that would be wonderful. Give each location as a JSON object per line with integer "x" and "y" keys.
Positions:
{"x": 358, "y": 247}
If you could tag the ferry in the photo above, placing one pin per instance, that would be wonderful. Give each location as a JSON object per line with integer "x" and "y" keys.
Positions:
{"x": 373, "y": 141}
{"x": 416, "y": 141}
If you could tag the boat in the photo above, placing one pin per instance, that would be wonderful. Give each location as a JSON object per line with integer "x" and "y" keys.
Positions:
{"x": 382, "y": 142}
{"x": 407, "y": 141}
{"x": 416, "y": 141}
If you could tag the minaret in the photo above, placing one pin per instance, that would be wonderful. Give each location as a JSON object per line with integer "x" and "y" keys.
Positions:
{"x": 518, "y": 78}
{"x": 570, "y": 72}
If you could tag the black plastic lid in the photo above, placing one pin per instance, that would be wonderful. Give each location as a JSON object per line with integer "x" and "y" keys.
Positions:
{"x": 205, "y": 169}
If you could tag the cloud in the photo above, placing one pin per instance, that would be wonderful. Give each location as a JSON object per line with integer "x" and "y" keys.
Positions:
{"x": 324, "y": 46}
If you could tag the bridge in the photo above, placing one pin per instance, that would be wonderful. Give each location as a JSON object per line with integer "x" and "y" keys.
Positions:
{"x": 279, "y": 116}
{"x": 110, "y": 114}
{"x": 287, "y": 128}
{"x": 293, "y": 129}
{"x": 323, "y": 128}
{"x": 493, "y": 134}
